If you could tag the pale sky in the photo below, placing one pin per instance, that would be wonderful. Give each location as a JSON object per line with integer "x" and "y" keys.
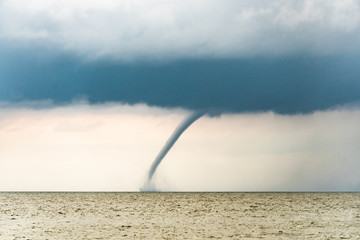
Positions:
{"x": 83, "y": 147}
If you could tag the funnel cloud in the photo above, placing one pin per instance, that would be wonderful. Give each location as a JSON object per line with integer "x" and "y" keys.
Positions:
{"x": 169, "y": 144}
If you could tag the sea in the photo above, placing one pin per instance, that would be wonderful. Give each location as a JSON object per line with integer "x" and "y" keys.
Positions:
{"x": 178, "y": 215}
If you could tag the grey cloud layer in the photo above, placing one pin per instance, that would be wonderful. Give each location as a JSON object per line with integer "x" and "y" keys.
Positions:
{"x": 287, "y": 85}
{"x": 129, "y": 30}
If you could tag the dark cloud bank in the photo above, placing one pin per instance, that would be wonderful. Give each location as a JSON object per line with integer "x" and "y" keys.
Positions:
{"x": 286, "y": 85}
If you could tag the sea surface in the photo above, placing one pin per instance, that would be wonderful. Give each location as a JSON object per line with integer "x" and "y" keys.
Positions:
{"x": 108, "y": 216}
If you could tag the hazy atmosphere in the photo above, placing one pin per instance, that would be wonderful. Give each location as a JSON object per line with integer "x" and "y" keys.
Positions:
{"x": 90, "y": 91}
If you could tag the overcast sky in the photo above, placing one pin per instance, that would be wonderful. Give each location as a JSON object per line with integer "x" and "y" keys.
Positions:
{"x": 157, "y": 29}
{"x": 91, "y": 90}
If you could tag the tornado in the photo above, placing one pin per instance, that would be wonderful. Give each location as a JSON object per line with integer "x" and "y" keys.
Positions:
{"x": 171, "y": 141}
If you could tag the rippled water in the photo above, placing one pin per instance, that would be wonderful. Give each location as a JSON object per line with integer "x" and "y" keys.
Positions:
{"x": 179, "y": 216}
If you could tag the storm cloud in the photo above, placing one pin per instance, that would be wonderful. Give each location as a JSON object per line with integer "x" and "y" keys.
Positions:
{"x": 229, "y": 56}
{"x": 283, "y": 85}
